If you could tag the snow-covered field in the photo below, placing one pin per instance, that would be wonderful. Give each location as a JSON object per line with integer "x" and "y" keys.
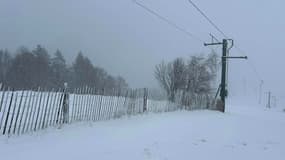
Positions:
{"x": 241, "y": 133}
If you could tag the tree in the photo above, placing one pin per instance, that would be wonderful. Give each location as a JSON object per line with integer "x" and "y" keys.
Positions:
{"x": 201, "y": 73}
{"x": 100, "y": 77}
{"x": 179, "y": 71}
{"x": 42, "y": 71}
{"x": 84, "y": 72}
{"x": 30, "y": 69}
{"x": 33, "y": 69}
{"x": 121, "y": 83}
{"x": 199, "y": 76}
{"x": 162, "y": 76}
{"x": 110, "y": 82}
{"x": 5, "y": 63}
{"x": 194, "y": 78}
{"x": 21, "y": 72}
{"x": 213, "y": 63}
{"x": 171, "y": 77}
{"x": 59, "y": 70}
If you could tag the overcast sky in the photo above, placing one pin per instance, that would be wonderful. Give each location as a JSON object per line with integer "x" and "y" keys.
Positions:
{"x": 126, "y": 40}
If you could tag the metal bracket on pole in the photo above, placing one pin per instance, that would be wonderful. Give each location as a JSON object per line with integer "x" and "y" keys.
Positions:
{"x": 237, "y": 57}
{"x": 212, "y": 44}
{"x": 232, "y": 44}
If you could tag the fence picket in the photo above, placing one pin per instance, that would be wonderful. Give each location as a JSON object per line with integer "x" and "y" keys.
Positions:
{"x": 97, "y": 104}
{"x": 59, "y": 114}
{"x": 5, "y": 106}
{"x": 100, "y": 105}
{"x": 22, "y": 113}
{"x": 49, "y": 115}
{"x": 93, "y": 104}
{"x": 45, "y": 111}
{"x": 87, "y": 111}
{"x": 2, "y": 90}
{"x": 13, "y": 113}
{"x": 27, "y": 114}
{"x": 39, "y": 111}
{"x": 76, "y": 109}
{"x": 18, "y": 112}
{"x": 73, "y": 106}
{"x": 35, "y": 102}
{"x": 7, "y": 116}
{"x": 81, "y": 105}
{"x": 56, "y": 108}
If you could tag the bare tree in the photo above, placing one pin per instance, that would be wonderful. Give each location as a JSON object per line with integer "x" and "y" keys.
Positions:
{"x": 171, "y": 77}
{"x": 200, "y": 74}
{"x": 213, "y": 62}
{"x": 193, "y": 78}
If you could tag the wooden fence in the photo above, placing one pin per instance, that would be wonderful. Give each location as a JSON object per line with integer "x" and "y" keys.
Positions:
{"x": 32, "y": 110}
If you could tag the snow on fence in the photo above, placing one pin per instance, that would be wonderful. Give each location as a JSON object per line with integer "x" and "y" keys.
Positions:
{"x": 29, "y": 111}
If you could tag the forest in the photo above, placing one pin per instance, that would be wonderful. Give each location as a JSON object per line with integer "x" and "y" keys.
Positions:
{"x": 30, "y": 69}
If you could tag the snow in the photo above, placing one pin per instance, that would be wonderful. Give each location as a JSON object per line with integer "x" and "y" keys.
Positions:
{"x": 244, "y": 132}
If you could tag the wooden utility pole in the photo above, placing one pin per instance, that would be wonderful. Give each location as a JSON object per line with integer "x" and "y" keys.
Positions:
{"x": 269, "y": 100}
{"x": 223, "y": 85}
{"x": 145, "y": 96}
{"x": 260, "y": 92}
{"x": 223, "y": 92}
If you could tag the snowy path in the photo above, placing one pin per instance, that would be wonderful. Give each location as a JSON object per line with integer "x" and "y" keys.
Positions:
{"x": 242, "y": 133}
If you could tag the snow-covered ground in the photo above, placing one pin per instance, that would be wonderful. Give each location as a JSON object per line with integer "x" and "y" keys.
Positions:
{"x": 241, "y": 133}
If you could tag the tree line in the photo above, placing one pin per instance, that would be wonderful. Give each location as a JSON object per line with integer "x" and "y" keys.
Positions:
{"x": 192, "y": 76}
{"x": 35, "y": 68}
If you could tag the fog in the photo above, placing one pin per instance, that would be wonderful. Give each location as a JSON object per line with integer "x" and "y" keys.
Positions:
{"x": 123, "y": 38}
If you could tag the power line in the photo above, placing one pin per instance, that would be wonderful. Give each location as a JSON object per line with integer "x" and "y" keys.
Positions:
{"x": 223, "y": 33}
{"x": 250, "y": 63}
{"x": 207, "y": 18}
{"x": 169, "y": 22}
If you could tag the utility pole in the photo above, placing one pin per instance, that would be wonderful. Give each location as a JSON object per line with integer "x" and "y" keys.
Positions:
{"x": 260, "y": 91}
{"x": 269, "y": 100}
{"x": 223, "y": 85}
{"x": 224, "y": 91}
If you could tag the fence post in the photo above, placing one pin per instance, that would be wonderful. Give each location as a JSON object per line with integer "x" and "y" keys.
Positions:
{"x": 65, "y": 104}
{"x": 145, "y": 95}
